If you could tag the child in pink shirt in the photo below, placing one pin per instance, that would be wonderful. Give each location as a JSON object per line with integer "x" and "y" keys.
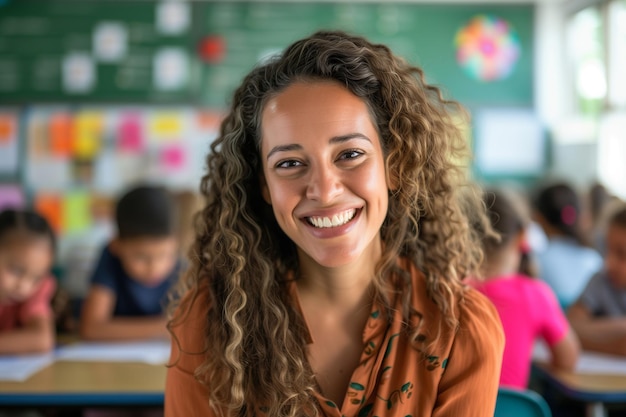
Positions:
{"x": 26, "y": 286}
{"x": 528, "y": 308}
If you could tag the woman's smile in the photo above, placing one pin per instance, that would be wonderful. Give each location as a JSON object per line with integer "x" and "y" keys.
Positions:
{"x": 336, "y": 220}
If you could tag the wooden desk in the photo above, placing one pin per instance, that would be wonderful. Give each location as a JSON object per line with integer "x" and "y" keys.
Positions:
{"x": 595, "y": 389}
{"x": 88, "y": 384}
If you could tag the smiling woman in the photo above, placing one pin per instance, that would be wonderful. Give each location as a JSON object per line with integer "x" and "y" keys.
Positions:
{"x": 344, "y": 294}
{"x": 322, "y": 159}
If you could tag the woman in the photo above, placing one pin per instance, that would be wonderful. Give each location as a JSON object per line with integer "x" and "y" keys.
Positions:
{"x": 326, "y": 275}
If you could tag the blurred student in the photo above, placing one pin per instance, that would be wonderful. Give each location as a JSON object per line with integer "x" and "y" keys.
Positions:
{"x": 136, "y": 269}
{"x": 598, "y": 198}
{"x": 566, "y": 263}
{"x": 27, "y": 246}
{"x": 599, "y": 315}
{"x": 602, "y": 204}
{"x": 528, "y": 308}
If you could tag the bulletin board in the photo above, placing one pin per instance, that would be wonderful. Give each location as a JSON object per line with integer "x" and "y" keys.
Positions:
{"x": 78, "y": 158}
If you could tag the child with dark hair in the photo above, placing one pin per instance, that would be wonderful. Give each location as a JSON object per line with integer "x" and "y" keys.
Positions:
{"x": 567, "y": 263}
{"x": 599, "y": 315}
{"x": 27, "y": 245}
{"x": 135, "y": 271}
{"x": 527, "y": 307}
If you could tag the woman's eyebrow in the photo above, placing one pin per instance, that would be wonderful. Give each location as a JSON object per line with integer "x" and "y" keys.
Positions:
{"x": 333, "y": 140}
{"x": 347, "y": 137}
{"x": 284, "y": 148}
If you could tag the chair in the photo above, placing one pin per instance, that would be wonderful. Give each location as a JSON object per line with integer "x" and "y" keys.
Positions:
{"x": 520, "y": 403}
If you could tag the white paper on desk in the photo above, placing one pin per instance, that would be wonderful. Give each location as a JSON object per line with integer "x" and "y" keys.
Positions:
{"x": 588, "y": 362}
{"x": 20, "y": 368}
{"x": 598, "y": 363}
{"x": 152, "y": 352}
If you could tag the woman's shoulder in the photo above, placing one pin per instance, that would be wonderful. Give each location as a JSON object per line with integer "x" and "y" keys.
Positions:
{"x": 473, "y": 310}
{"x": 479, "y": 330}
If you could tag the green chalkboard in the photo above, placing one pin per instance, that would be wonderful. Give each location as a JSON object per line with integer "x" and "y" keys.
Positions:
{"x": 37, "y": 36}
{"x": 423, "y": 34}
{"x": 41, "y": 40}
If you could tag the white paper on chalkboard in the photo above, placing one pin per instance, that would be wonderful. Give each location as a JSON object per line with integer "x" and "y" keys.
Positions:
{"x": 110, "y": 41}
{"x": 79, "y": 73}
{"x": 173, "y": 17}
{"x": 171, "y": 69}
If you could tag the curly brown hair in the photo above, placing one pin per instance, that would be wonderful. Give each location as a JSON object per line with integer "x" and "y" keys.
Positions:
{"x": 242, "y": 258}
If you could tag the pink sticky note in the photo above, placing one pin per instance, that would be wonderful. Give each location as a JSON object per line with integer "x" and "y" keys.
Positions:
{"x": 173, "y": 157}
{"x": 130, "y": 134}
{"x": 11, "y": 196}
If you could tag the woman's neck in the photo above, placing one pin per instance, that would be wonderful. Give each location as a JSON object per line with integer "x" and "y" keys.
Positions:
{"x": 347, "y": 288}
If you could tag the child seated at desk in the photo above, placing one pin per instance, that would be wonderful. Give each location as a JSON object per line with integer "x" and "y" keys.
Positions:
{"x": 27, "y": 246}
{"x": 136, "y": 269}
{"x": 599, "y": 315}
{"x": 567, "y": 262}
{"x": 527, "y": 307}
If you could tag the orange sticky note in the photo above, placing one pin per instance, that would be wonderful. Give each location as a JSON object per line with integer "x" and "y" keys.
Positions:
{"x": 50, "y": 207}
{"x": 209, "y": 120}
{"x": 7, "y": 128}
{"x": 61, "y": 134}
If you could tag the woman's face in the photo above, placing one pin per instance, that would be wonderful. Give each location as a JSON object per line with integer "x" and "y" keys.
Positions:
{"x": 324, "y": 172}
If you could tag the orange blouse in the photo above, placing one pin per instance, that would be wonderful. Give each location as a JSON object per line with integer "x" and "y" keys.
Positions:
{"x": 457, "y": 376}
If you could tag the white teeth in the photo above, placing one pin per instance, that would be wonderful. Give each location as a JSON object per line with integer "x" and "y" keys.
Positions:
{"x": 337, "y": 219}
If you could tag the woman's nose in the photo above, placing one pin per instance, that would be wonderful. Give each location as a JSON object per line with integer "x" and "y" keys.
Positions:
{"x": 324, "y": 185}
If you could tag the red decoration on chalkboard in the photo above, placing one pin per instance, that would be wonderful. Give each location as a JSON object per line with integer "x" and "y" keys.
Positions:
{"x": 212, "y": 49}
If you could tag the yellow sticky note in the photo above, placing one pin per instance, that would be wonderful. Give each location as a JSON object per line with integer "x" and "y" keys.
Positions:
{"x": 87, "y": 135}
{"x": 76, "y": 211}
{"x": 167, "y": 125}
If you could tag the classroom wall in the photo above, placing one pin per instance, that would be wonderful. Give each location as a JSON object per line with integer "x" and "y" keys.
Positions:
{"x": 96, "y": 95}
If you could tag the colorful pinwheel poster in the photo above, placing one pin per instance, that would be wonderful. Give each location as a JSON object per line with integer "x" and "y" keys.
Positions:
{"x": 487, "y": 48}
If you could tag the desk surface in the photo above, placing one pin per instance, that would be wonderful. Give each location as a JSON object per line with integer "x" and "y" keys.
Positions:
{"x": 589, "y": 387}
{"x": 89, "y": 383}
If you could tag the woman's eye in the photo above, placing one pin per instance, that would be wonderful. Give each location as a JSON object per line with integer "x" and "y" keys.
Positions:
{"x": 290, "y": 163}
{"x": 350, "y": 154}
